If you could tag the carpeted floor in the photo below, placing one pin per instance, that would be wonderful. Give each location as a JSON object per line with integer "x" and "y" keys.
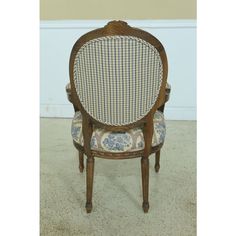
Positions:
{"x": 117, "y": 195}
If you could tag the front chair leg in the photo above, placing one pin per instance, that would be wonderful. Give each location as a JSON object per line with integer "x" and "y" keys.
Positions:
{"x": 81, "y": 161}
{"x": 157, "y": 164}
{"x": 89, "y": 180}
{"x": 145, "y": 182}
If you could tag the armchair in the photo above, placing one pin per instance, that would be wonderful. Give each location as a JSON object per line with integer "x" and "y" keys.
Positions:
{"x": 118, "y": 88}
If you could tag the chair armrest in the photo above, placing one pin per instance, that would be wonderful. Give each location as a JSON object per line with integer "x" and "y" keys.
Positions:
{"x": 168, "y": 89}
{"x": 68, "y": 92}
{"x": 167, "y": 96}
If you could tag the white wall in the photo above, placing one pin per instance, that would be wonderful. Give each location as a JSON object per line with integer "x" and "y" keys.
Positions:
{"x": 177, "y": 36}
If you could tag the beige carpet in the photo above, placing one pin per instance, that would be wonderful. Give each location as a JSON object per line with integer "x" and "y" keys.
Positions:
{"x": 117, "y": 198}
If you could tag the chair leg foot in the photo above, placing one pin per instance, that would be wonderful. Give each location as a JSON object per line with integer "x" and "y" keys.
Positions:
{"x": 88, "y": 207}
{"x": 81, "y": 161}
{"x": 145, "y": 207}
{"x": 157, "y": 168}
{"x": 157, "y": 164}
{"x": 81, "y": 169}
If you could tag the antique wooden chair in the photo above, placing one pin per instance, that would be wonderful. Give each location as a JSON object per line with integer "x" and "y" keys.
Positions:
{"x": 118, "y": 87}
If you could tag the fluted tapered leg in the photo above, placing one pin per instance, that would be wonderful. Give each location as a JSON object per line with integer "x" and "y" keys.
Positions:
{"x": 89, "y": 180}
{"x": 157, "y": 164}
{"x": 145, "y": 182}
{"x": 81, "y": 161}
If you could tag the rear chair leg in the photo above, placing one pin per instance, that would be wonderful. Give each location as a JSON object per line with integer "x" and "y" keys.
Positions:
{"x": 157, "y": 164}
{"x": 81, "y": 161}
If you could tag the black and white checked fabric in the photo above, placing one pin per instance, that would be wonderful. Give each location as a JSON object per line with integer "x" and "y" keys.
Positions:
{"x": 117, "y": 78}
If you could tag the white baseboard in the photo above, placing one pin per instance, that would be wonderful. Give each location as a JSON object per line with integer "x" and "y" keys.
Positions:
{"x": 90, "y": 24}
{"x": 177, "y": 36}
{"x": 180, "y": 113}
{"x": 56, "y": 110}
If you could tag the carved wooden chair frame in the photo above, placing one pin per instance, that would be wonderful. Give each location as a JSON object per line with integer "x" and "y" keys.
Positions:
{"x": 146, "y": 123}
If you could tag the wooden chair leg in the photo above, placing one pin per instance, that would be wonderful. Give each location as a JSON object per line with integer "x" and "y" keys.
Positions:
{"x": 89, "y": 180}
{"x": 145, "y": 182}
{"x": 157, "y": 164}
{"x": 81, "y": 161}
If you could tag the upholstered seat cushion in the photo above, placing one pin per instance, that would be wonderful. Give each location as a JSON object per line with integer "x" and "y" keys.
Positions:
{"x": 128, "y": 141}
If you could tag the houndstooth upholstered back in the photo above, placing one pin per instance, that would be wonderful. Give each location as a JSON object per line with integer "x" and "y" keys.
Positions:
{"x": 117, "y": 78}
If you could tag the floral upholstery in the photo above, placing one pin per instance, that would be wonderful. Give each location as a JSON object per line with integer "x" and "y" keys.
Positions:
{"x": 128, "y": 141}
